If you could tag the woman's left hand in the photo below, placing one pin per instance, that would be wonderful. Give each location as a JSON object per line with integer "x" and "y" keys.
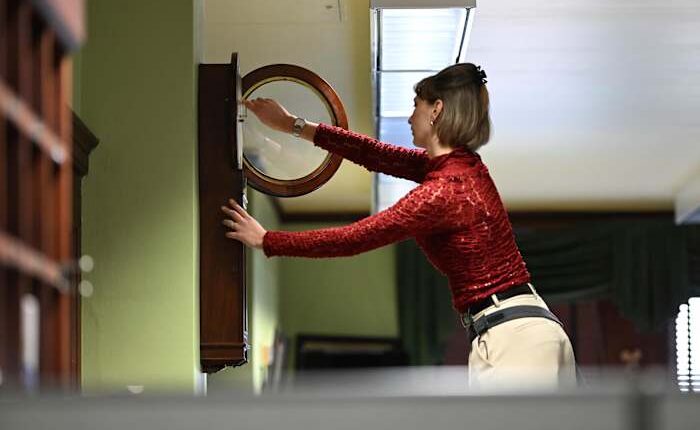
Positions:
{"x": 243, "y": 227}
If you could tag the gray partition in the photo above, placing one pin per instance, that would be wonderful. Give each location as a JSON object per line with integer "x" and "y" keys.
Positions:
{"x": 401, "y": 399}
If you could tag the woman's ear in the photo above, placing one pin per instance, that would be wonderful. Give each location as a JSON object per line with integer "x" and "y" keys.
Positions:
{"x": 437, "y": 108}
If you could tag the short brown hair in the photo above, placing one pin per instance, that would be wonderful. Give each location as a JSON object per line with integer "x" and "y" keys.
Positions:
{"x": 464, "y": 120}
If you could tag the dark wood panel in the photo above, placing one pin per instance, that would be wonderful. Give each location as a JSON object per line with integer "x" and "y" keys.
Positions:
{"x": 8, "y": 317}
{"x": 76, "y": 278}
{"x": 215, "y": 355}
{"x": 12, "y": 48}
{"x": 35, "y": 187}
{"x": 48, "y": 339}
{"x": 24, "y": 178}
{"x": 3, "y": 175}
{"x": 223, "y": 319}
{"x": 84, "y": 142}
{"x": 15, "y": 254}
{"x": 44, "y": 104}
{"x": 64, "y": 215}
{"x": 3, "y": 38}
{"x": 9, "y": 322}
{"x": 30, "y": 126}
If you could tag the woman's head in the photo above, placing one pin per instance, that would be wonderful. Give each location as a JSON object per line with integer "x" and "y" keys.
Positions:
{"x": 453, "y": 105}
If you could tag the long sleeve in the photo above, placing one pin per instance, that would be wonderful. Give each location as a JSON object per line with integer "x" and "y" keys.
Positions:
{"x": 371, "y": 153}
{"x": 457, "y": 219}
{"x": 422, "y": 211}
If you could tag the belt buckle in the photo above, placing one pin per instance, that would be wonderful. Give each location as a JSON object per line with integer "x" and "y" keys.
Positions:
{"x": 466, "y": 319}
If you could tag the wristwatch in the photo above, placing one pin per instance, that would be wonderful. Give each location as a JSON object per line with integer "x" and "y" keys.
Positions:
{"x": 298, "y": 126}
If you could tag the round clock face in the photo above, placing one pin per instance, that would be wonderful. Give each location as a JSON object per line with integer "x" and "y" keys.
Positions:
{"x": 280, "y": 155}
{"x": 278, "y": 163}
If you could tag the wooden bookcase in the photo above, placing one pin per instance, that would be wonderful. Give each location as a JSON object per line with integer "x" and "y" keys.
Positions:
{"x": 37, "y": 298}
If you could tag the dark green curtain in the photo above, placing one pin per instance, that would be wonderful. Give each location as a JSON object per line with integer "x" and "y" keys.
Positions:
{"x": 647, "y": 267}
{"x": 568, "y": 263}
{"x": 426, "y": 317}
{"x": 651, "y": 276}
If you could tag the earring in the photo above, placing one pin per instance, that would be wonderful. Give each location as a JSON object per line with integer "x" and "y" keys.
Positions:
{"x": 431, "y": 122}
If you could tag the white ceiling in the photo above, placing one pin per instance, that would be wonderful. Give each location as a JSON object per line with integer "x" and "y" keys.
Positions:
{"x": 595, "y": 104}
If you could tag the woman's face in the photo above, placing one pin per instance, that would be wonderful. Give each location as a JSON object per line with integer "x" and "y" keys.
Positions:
{"x": 420, "y": 122}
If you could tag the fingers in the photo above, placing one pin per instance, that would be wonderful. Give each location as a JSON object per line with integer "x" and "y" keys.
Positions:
{"x": 234, "y": 233}
{"x": 232, "y": 214}
{"x": 238, "y": 215}
{"x": 252, "y": 105}
{"x": 257, "y": 102}
{"x": 235, "y": 211}
{"x": 239, "y": 221}
{"x": 238, "y": 208}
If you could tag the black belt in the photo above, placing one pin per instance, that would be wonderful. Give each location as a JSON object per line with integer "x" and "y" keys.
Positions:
{"x": 485, "y": 322}
{"x": 482, "y": 304}
{"x": 482, "y": 324}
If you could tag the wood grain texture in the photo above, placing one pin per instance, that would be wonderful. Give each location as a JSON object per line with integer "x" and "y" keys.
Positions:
{"x": 223, "y": 319}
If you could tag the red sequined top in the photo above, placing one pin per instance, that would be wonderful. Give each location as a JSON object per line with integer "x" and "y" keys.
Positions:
{"x": 455, "y": 214}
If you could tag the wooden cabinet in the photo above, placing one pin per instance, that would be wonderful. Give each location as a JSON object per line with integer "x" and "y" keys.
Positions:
{"x": 223, "y": 320}
{"x": 37, "y": 338}
{"x": 234, "y": 151}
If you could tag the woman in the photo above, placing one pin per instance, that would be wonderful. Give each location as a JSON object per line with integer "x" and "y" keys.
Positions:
{"x": 455, "y": 215}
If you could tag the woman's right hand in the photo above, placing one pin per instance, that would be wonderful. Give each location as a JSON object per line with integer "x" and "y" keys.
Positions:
{"x": 272, "y": 114}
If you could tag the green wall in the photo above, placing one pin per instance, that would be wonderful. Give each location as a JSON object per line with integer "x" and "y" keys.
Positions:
{"x": 135, "y": 89}
{"x": 339, "y": 296}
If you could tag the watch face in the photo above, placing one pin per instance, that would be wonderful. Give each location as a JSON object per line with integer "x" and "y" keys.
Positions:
{"x": 299, "y": 124}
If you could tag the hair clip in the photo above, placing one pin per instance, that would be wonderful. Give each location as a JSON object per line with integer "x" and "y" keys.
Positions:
{"x": 481, "y": 75}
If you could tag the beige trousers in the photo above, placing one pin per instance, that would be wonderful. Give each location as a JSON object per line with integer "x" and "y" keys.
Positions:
{"x": 522, "y": 354}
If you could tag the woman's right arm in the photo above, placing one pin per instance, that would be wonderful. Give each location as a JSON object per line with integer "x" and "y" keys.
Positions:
{"x": 363, "y": 150}
{"x": 372, "y": 154}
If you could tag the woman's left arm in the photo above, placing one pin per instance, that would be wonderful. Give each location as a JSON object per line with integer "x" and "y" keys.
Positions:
{"x": 424, "y": 210}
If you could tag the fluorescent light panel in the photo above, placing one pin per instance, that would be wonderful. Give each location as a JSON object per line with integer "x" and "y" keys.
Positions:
{"x": 413, "y": 40}
{"x": 420, "y": 39}
{"x": 396, "y": 93}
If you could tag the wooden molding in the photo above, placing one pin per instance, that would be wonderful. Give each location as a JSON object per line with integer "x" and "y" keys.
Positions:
{"x": 84, "y": 142}
{"x": 285, "y": 217}
{"x": 554, "y": 219}
{"x": 345, "y": 217}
